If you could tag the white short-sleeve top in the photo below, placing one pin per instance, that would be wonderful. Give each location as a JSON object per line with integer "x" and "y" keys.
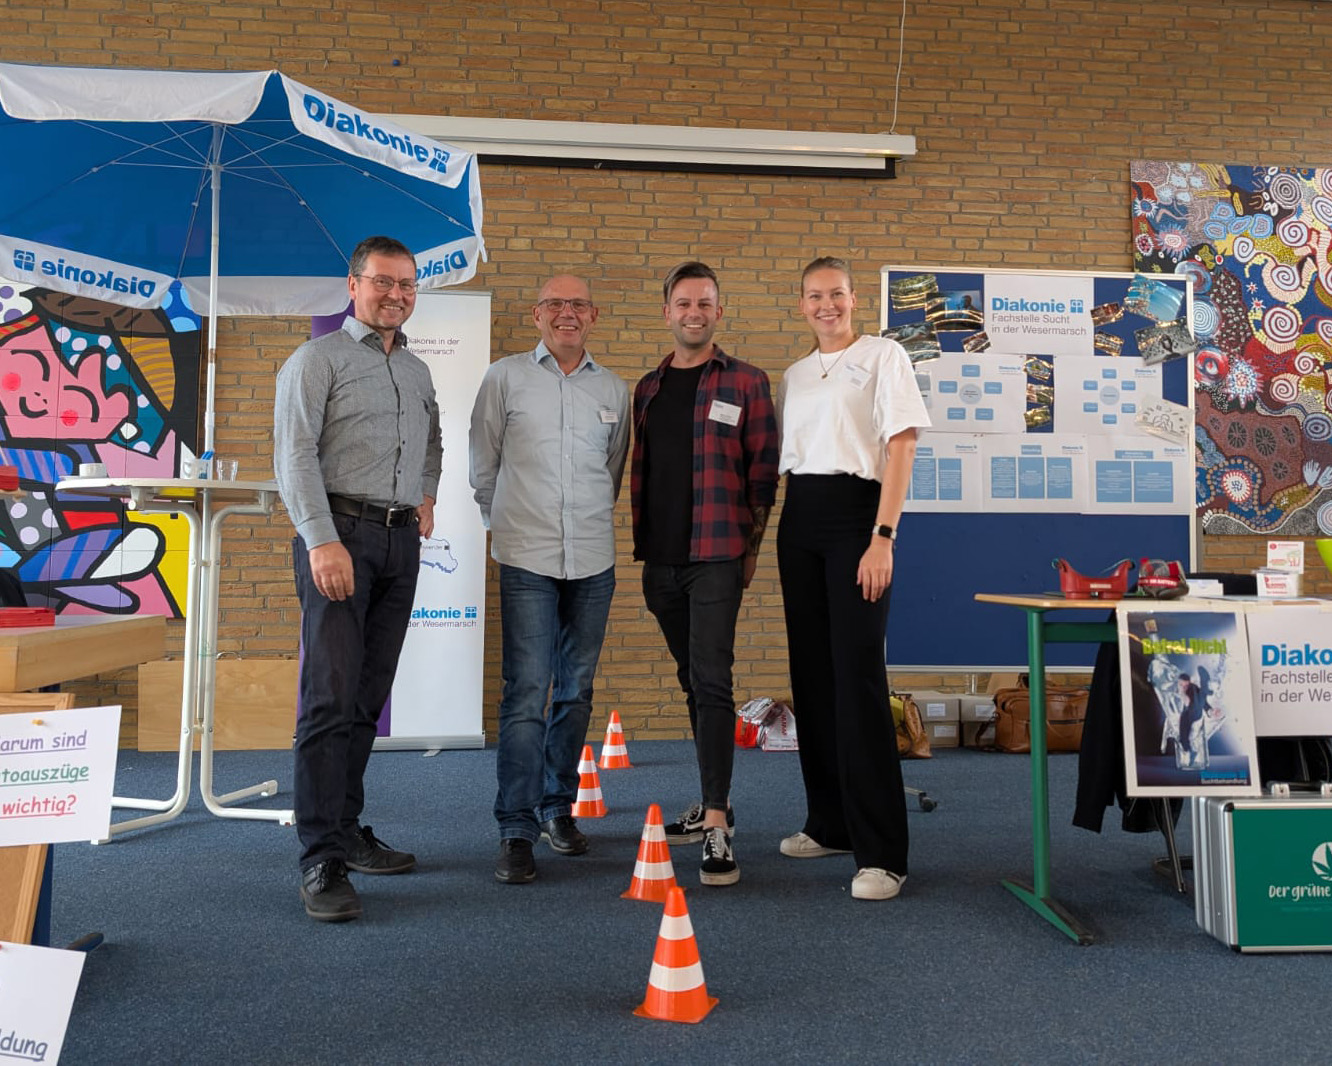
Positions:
{"x": 839, "y": 424}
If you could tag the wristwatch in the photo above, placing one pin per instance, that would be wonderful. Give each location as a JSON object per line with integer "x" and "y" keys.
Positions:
{"x": 880, "y": 530}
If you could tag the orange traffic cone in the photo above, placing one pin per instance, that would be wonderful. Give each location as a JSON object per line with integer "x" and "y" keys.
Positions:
{"x": 589, "y": 803}
{"x": 654, "y": 876}
{"x": 614, "y": 755}
{"x": 676, "y": 991}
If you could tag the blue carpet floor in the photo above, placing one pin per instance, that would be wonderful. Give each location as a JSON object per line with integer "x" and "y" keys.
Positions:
{"x": 209, "y": 957}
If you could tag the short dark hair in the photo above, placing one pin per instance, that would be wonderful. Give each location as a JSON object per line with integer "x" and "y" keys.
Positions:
{"x": 691, "y": 269}
{"x": 376, "y": 246}
{"x": 827, "y": 262}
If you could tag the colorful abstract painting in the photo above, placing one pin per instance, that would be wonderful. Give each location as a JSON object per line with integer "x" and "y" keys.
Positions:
{"x": 1257, "y": 242}
{"x": 88, "y": 382}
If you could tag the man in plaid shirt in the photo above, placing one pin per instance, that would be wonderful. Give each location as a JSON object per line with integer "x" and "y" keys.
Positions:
{"x": 703, "y": 479}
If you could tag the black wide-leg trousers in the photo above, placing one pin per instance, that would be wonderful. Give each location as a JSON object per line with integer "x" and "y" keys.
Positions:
{"x": 839, "y": 687}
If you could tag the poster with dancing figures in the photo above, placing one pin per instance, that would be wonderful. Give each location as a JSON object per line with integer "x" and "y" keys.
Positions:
{"x": 1257, "y": 242}
{"x": 1187, "y": 702}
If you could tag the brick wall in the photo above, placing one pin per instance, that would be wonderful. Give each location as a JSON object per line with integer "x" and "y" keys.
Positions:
{"x": 1027, "y": 115}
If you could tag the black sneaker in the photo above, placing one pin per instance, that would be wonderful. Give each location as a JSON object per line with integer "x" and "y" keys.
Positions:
{"x": 688, "y": 828}
{"x": 563, "y": 835}
{"x": 516, "y": 865}
{"x": 327, "y": 894}
{"x": 719, "y": 865}
{"x": 367, "y": 854}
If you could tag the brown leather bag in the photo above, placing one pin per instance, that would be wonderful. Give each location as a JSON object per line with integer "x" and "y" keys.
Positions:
{"x": 912, "y": 740}
{"x": 1065, "y": 711}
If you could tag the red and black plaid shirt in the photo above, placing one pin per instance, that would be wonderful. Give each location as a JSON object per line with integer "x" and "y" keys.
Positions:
{"x": 735, "y": 467}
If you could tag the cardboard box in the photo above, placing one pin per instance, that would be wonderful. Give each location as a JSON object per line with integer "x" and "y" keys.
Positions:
{"x": 975, "y": 708}
{"x": 255, "y": 701}
{"x": 936, "y": 706}
{"x": 943, "y": 734}
{"x": 970, "y": 732}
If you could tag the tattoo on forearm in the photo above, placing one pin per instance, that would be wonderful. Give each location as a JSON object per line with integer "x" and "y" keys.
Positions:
{"x": 760, "y": 516}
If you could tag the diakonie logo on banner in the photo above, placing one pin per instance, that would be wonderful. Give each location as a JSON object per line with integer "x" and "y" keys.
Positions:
{"x": 1030, "y": 314}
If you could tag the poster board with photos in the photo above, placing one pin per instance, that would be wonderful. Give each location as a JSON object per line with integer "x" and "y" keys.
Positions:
{"x": 1188, "y": 707}
{"x": 949, "y": 551}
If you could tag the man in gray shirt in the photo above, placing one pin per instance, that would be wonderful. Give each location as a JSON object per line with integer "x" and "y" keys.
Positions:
{"x": 357, "y": 456}
{"x": 549, "y": 435}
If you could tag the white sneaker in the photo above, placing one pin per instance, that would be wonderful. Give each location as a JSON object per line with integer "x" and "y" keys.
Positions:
{"x": 872, "y": 883}
{"x": 804, "y": 846}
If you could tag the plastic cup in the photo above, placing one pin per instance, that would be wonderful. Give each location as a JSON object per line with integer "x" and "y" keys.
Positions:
{"x": 194, "y": 467}
{"x": 226, "y": 469}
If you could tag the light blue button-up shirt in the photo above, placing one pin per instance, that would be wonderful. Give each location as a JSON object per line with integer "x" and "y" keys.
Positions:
{"x": 547, "y": 456}
{"x": 352, "y": 421}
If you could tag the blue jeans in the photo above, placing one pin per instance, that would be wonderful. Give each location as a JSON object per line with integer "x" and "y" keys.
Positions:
{"x": 351, "y": 655}
{"x": 552, "y": 629}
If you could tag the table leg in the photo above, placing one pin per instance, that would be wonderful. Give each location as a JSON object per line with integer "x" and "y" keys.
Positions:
{"x": 1038, "y": 896}
{"x": 171, "y": 808}
{"x": 207, "y": 675}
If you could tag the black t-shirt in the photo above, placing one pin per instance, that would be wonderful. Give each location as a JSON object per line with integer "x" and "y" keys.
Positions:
{"x": 668, "y": 468}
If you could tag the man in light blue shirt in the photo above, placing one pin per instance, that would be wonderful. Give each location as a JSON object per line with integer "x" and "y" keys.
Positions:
{"x": 549, "y": 436}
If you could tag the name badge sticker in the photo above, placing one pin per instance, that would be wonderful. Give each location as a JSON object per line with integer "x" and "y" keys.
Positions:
{"x": 608, "y": 417}
{"x": 721, "y": 411}
{"x": 857, "y": 375}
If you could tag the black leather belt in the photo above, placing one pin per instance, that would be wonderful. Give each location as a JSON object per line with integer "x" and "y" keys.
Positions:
{"x": 399, "y": 514}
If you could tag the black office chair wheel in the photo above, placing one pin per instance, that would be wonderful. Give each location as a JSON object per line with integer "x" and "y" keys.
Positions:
{"x": 927, "y": 804}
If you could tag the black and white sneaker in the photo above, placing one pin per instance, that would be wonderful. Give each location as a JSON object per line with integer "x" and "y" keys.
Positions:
{"x": 719, "y": 865}
{"x": 688, "y": 828}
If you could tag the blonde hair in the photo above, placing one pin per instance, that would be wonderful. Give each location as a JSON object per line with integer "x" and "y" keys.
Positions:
{"x": 828, "y": 262}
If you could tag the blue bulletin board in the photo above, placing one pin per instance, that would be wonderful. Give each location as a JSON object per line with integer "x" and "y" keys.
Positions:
{"x": 945, "y": 557}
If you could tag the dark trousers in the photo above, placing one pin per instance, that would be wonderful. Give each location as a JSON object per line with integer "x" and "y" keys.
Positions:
{"x": 351, "y": 654}
{"x": 839, "y": 688}
{"x": 696, "y": 605}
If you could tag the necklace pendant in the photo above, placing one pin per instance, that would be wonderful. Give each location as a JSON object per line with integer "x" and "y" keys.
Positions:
{"x": 825, "y": 375}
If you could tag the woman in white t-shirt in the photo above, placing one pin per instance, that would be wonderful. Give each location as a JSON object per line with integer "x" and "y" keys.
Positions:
{"x": 849, "y": 412}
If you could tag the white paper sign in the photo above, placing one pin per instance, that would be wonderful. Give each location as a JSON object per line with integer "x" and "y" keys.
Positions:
{"x": 1290, "y": 647}
{"x": 37, "y": 987}
{"x": 1029, "y": 314}
{"x": 1139, "y": 475}
{"x": 946, "y": 473}
{"x": 977, "y": 394}
{"x": 57, "y": 770}
{"x": 1100, "y": 394}
{"x": 1035, "y": 472}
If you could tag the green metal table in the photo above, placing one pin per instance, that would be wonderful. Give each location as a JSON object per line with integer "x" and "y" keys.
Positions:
{"x": 1040, "y": 633}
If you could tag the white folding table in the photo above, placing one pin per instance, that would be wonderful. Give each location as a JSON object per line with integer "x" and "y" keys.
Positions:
{"x": 205, "y": 505}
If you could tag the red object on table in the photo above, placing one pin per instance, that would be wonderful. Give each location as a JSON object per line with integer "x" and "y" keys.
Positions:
{"x": 13, "y": 617}
{"x": 8, "y": 478}
{"x": 1111, "y": 586}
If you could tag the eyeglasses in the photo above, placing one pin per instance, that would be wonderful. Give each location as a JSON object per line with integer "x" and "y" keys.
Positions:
{"x": 384, "y": 283}
{"x": 555, "y": 305}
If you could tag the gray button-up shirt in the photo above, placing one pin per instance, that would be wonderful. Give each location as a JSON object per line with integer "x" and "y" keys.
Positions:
{"x": 352, "y": 421}
{"x": 547, "y": 456}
